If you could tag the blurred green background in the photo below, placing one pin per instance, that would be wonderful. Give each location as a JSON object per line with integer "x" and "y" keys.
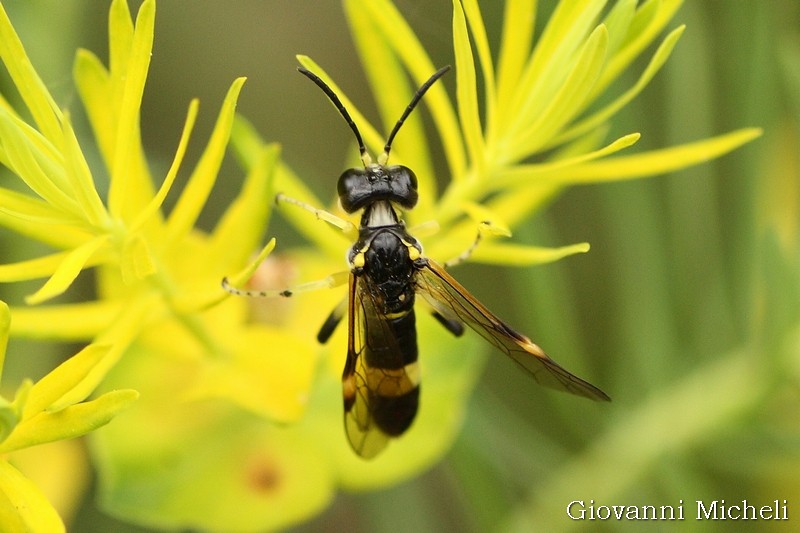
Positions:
{"x": 686, "y": 310}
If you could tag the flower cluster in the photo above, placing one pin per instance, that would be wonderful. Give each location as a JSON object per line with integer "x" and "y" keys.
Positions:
{"x": 238, "y": 423}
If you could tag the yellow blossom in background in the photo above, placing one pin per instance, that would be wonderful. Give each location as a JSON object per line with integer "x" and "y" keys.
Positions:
{"x": 42, "y": 412}
{"x": 238, "y": 421}
{"x": 158, "y": 277}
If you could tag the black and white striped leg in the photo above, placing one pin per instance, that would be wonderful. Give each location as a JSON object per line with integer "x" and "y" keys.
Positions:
{"x": 483, "y": 226}
{"x": 334, "y": 280}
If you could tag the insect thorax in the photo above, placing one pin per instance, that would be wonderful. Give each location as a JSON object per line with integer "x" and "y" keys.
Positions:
{"x": 386, "y": 256}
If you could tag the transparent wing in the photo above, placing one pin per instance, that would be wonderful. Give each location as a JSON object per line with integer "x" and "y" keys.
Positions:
{"x": 454, "y": 302}
{"x": 379, "y": 402}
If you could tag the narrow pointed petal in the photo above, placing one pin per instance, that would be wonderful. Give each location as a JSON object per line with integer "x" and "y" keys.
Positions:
{"x": 467, "y": 90}
{"x": 241, "y": 228}
{"x": 5, "y": 325}
{"x": 158, "y": 200}
{"x": 70, "y": 422}
{"x": 31, "y": 87}
{"x": 416, "y": 60}
{"x": 23, "y": 507}
{"x": 124, "y": 195}
{"x": 392, "y": 91}
{"x": 35, "y": 219}
{"x": 80, "y": 178}
{"x": 79, "y": 322}
{"x": 67, "y": 271}
{"x": 194, "y": 196}
{"x": 519, "y": 19}
{"x": 599, "y": 117}
{"x": 660, "y": 161}
{"x": 46, "y": 393}
{"x": 569, "y": 99}
{"x": 511, "y": 254}
{"x": 481, "y": 40}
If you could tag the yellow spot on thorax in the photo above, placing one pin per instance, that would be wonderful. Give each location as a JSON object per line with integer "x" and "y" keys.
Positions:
{"x": 413, "y": 252}
{"x": 358, "y": 260}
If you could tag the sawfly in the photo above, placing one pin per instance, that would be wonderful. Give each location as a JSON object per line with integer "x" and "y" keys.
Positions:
{"x": 387, "y": 270}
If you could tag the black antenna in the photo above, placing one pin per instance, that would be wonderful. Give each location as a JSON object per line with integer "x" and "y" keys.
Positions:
{"x": 414, "y": 101}
{"x": 365, "y": 158}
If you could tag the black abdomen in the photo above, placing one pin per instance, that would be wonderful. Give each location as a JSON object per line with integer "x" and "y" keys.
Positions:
{"x": 390, "y": 353}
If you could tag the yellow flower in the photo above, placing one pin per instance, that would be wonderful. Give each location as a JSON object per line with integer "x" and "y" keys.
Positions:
{"x": 239, "y": 422}
{"x": 158, "y": 277}
{"x": 539, "y": 132}
{"x": 46, "y": 411}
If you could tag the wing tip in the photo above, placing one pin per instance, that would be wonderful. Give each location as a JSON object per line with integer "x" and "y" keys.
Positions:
{"x": 598, "y": 395}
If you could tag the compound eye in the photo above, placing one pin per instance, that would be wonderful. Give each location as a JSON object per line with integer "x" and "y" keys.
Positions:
{"x": 353, "y": 188}
{"x": 412, "y": 178}
{"x": 404, "y": 186}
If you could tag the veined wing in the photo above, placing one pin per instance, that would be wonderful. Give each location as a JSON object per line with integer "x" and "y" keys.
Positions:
{"x": 452, "y": 300}
{"x": 380, "y": 382}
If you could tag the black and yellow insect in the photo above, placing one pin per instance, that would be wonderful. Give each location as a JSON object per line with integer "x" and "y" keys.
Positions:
{"x": 387, "y": 270}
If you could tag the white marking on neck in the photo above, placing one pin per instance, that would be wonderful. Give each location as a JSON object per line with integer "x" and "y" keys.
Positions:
{"x": 381, "y": 213}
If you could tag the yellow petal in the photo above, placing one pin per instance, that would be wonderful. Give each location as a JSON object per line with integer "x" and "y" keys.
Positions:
{"x": 559, "y": 171}
{"x": 80, "y": 178}
{"x": 39, "y": 267}
{"x": 545, "y": 72}
{"x": 569, "y": 98}
{"x": 78, "y": 322}
{"x": 467, "y": 91}
{"x": 649, "y": 19}
{"x": 31, "y": 87}
{"x": 95, "y": 89}
{"x": 33, "y": 163}
{"x": 241, "y": 227}
{"x": 35, "y": 218}
{"x": 23, "y": 507}
{"x": 70, "y": 422}
{"x": 618, "y": 21}
{"x": 659, "y": 161}
{"x": 511, "y": 254}
{"x": 67, "y": 270}
{"x": 158, "y": 200}
{"x": 48, "y": 391}
{"x": 478, "y": 30}
{"x": 390, "y": 23}
{"x": 392, "y": 92}
{"x": 5, "y": 324}
{"x": 121, "y": 34}
{"x": 194, "y": 196}
{"x": 519, "y": 19}
{"x": 596, "y": 119}
{"x": 127, "y": 183}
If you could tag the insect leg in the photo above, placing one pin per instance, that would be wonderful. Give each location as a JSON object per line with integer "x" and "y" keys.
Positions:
{"x": 483, "y": 226}
{"x": 346, "y": 226}
{"x": 332, "y": 321}
{"x": 450, "y": 324}
{"x": 334, "y": 280}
